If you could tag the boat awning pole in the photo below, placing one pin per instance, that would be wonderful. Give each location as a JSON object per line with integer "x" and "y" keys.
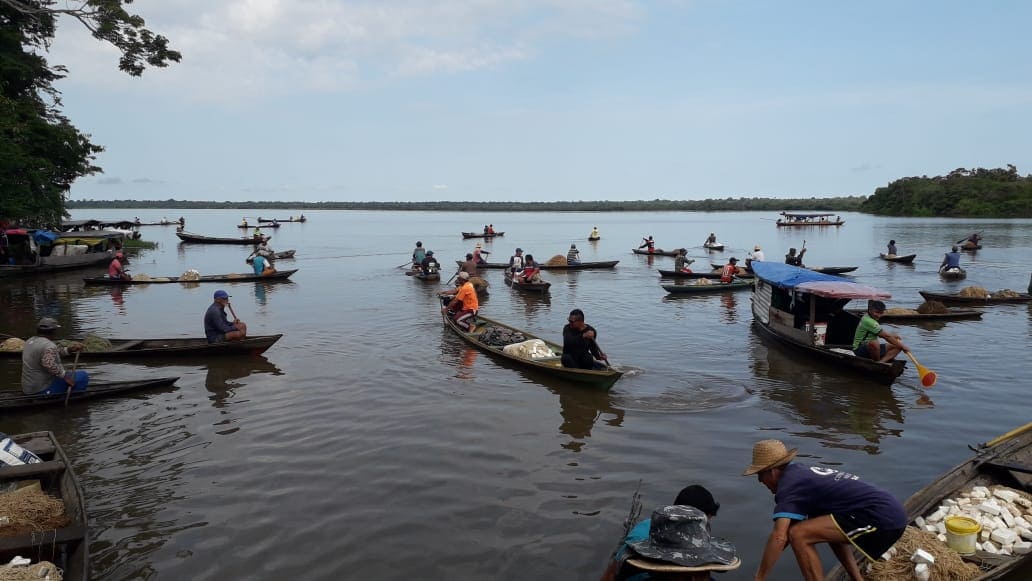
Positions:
{"x": 813, "y": 310}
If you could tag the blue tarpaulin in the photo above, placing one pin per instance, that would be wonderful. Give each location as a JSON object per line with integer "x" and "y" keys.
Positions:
{"x": 824, "y": 285}
{"x": 44, "y": 237}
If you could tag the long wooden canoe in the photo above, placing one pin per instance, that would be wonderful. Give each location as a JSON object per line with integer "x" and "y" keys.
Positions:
{"x": 179, "y": 347}
{"x": 578, "y": 266}
{"x": 953, "y": 274}
{"x": 713, "y": 246}
{"x": 696, "y": 275}
{"x": 915, "y": 317}
{"x": 1005, "y": 461}
{"x": 527, "y": 287}
{"x": 188, "y": 237}
{"x": 551, "y": 366}
{"x": 427, "y": 276}
{"x": 832, "y": 269}
{"x": 266, "y": 220}
{"x": 67, "y": 547}
{"x": 656, "y": 252}
{"x": 17, "y": 400}
{"x": 956, "y": 299}
{"x": 261, "y": 225}
{"x": 235, "y": 277}
{"x": 276, "y": 256}
{"x": 897, "y": 258}
{"x": 719, "y": 287}
{"x": 482, "y": 235}
{"x": 970, "y": 246}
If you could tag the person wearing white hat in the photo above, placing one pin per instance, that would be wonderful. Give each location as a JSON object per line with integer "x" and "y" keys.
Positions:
{"x": 756, "y": 255}
{"x": 464, "y": 306}
{"x": 814, "y": 505}
{"x": 479, "y": 253}
{"x": 42, "y": 372}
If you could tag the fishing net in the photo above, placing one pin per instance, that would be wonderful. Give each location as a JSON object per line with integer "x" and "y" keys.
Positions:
{"x": 900, "y": 311}
{"x": 501, "y": 337}
{"x": 12, "y": 344}
{"x": 33, "y": 572}
{"x": 479, "y": 284}
{"x": 191, "y": 274}
{"x": 1006, "y": 292}
{"x": 29, "y": 510}
{"x": 141, "y": 276}
{"x": 948, "y": 565}
{"x": 974, "y": 291}
{"x": 929, "y": 307}
{"x": 557, "y": 260}
{"x": 90, "y": 343}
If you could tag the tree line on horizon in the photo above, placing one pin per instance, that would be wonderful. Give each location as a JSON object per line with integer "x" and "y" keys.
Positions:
{"x": 974, "y": 193}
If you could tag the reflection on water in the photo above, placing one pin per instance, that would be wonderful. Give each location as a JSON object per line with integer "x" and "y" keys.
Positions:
{"x": 729, "y": 314}
{"x": 580, "y": 408}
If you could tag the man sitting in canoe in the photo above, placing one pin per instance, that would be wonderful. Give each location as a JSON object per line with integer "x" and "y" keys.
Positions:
{"x": 116, "y": 270}
{"x": 42, "y": 372}
{"x": 892, "y": 248}
{"x": 469, "y": 266}
{"x": 865, "y": 340}
{"x": 430, "y": 264}
{"x": 951, "y": 260}
{"x": 262, "y": 266}
{"x": 795, "y": 259}
{"x": 573, "y": 255}
{"x": 711, "y": 239}
{"x": 464, "y": 306}
{"x": 516, "y": 261}
{"x": 418, "y": 255}
{"x": 649, "y": 243}
{"x": 217, "y": 327}
{"x": 479, "y": 253}
{"x": 579, "y": 347}
{"x": 815, "y": 505}
{"x": 727, "y": 274}
{"x": 681, "y": 261}
{"x": 531, "y": 272}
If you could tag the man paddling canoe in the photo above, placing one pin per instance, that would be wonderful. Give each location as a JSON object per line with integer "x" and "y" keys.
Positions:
{"x": 42, "y": 372}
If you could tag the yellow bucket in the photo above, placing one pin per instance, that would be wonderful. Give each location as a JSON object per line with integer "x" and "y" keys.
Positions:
{"x": 961, "y": 533}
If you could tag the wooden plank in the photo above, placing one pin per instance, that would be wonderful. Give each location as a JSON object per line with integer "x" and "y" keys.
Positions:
{"x": 43, "y": 538}
{"x": 31, "y": 470}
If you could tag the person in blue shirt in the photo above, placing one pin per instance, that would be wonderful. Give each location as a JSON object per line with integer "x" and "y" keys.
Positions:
{"x": 695, "y": 496}
{"x": 259, "y": 265}
{"x": 217, "y": 327}
{"x": 814, "y": 505}
{"x": 951, "y": 260}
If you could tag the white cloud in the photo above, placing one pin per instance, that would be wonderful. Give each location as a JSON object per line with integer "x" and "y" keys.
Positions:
{"x": 251, "y": 48}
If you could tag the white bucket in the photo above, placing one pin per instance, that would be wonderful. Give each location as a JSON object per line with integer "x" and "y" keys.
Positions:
{"x": 820, "y": 333}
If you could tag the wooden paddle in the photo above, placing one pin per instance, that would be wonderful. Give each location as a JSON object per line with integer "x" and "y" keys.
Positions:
{"x": 928, "y": 376}
{"x": 453, "y": 276}
{"x": 75, "y": 365}
{"x": 1008, "y": 435}
{"x": 968, "y": 236}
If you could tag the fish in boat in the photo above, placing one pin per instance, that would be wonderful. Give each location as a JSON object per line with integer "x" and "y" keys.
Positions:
{"x": 185, "y": 347}
{"x": 18, "y": 400}
{"x": 235, "y": 277}
{"x": 802, "y": 309}
{"x": 958, "y": 299}
{"x": 699, "y": 288}
{"x": 897, "y": 258}
{"x": 67, "y": 547}
{"x": 604, "y": 378}
{"x": 1003, "y": 461}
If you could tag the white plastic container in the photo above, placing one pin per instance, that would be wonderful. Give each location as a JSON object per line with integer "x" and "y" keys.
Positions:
{"x": 820, "y": 333}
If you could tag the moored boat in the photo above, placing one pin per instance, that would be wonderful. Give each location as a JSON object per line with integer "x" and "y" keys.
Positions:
{"x": 577, "y": 266}
{"x": 35, "y": 251}
{"x": 1003, "y": 461}
{"x": 656, "y": 252}
{"x": 139, "y": 348}
{"x": 897, "y": 258}
{"x": 699, "y": 287}
{"x": 200, "y": 239}
{"x": 17, "y": 400}
{"x": 958, "y": 299}
{"x": 791, "y": 219}
{"x": 956, "y": 273}
{"x": 527, "y": 287}
{"x": 68, "y": 546}
{"x": 482, "y": 235}
{"x": 803, "y": 310}
{"x": 234, "y": 277}
{"x": 604, "y": 378}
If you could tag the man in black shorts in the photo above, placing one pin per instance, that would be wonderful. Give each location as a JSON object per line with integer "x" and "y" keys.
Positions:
{"x": 814, "y": 505}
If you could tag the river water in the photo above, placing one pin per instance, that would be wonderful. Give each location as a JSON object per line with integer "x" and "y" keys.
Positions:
{"x": 370, "y": 442}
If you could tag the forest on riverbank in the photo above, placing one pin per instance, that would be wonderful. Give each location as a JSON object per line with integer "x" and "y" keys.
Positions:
{"x": 974, "y": 193}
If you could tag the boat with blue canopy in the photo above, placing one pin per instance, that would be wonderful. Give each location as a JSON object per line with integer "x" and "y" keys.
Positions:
{"x": 800, "y": 219}
{"x": 805, "y": 310}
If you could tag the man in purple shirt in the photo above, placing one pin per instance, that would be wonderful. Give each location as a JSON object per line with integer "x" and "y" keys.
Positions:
{"x": 217, "y": 327}
{"x": 814, "y": 505}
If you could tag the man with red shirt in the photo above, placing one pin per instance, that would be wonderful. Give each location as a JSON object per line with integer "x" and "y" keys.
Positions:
{"x": 729, "y": 271}
{"x": 465, "y": 304}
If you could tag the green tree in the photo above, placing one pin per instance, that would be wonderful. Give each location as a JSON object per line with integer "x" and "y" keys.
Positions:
{"x": 41, "y": 152}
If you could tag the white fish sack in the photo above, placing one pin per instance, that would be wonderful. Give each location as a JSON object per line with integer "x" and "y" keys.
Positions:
{"x": 12, "y": 454}
{"x": 529, "y": 349}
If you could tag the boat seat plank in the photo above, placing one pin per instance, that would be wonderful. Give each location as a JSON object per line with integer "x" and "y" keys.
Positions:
{"x": 1010, "y": 467}
{"x": 127, "y": 345}
{"x": 42, "y": 538}
{"x": 31, "y": 470}
{"x": 39, "y": 445}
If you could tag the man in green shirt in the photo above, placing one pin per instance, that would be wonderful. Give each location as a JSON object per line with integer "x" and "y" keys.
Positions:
{"x": 865, "y": 341}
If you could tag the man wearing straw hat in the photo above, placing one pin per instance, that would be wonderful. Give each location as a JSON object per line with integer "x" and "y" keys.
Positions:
{"x": 814, "y": 505}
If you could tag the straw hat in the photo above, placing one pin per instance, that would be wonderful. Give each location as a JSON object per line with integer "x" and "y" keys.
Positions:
{"x": 768, "y": 454}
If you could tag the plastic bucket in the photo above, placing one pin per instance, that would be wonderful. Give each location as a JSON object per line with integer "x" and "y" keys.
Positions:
{"x": 820, "y": 333}
{"x": 961, "y": 533}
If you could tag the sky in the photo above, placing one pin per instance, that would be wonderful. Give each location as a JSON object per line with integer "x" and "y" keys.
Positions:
{"x": 537, "y": 100}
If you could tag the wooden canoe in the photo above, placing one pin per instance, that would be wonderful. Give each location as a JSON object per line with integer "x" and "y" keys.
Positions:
{"x": 235, "y": 277}
{"x": 197, "y": 238}
{"x": 594, "y": 238}
{"x": 179, "y": 347}
{"x": 17, "y": 400}
{"x": 67, "y": 547}
{"x": 250, "y": 226}
{"x": 482, "y": 235}
{"x": 697, "y": 275}
{"x": 953, "y": 274}
{"x": 681, "y": 289}
{"x": 709, "y": 246}
{"x": 267, "y": 220}
{"x": 897, "y": 258}
{"x": 276, "y": 256}
{"x": 427, "y": 276}
{"x": 719, "y": 267}
{"x": 833, "y": 269}
{"x": 970, "y": 246}
{"x": 656, "y": 252}
{"x": 956, "y": 299}
{"x": 551, "y": 366}
{"x": 952, "y": 315}
{"x": 579, "y": 266}
{"x": 527, "y": 287}
{"x": 1006, "y": 461}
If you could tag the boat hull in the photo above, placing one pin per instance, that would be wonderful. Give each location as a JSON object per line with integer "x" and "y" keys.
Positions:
{"x": 956, "y": 299}
{"x": 270, "y": 220}
{"x": 199, "y": 239}
{"x": 527, "y": 287}
{"x": 885, "y": 373}
{"x": 20, "y": 401}
{"x": 279, "y": 275}
{"x": 476, "y": 235}
{"x": 896, "y": 258}
{"x": 657, "y": 252}
{"x": 179, "y": 347}
{"x": 681, "y": 289}
{"x": 579, "y": 266}
{"x": 953, "y": 274}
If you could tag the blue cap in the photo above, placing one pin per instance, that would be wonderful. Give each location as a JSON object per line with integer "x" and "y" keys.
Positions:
{"x": 221, "y": 294}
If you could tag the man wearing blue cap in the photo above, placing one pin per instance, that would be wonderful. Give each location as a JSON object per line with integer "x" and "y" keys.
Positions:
{"x": 217, "y": 327}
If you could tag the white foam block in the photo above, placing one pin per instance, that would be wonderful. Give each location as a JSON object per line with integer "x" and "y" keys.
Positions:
{"x": 1022, "y": 547}
{"x": 922, "y": 556}
{"x": 1004, "y": 536}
